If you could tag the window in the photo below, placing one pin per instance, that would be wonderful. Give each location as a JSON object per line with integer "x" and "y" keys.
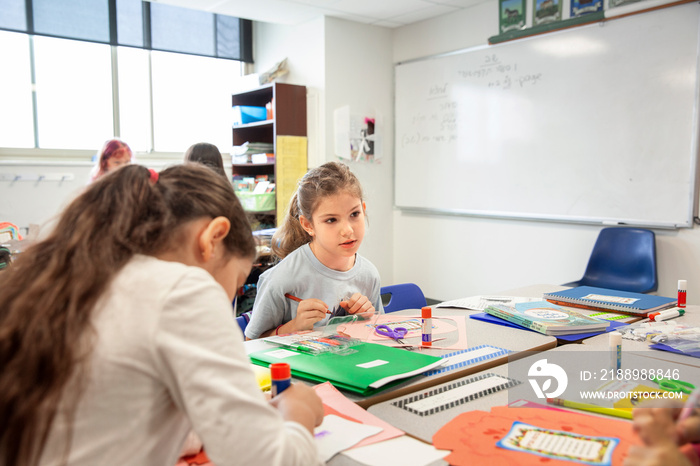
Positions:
{"x": 203, "y": 112}
{"x": 73, "y": 93}
{"x": 16, "y": 115}
{"x": 73, "y": 78}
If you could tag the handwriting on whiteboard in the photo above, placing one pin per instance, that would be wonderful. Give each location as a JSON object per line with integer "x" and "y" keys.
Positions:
{"x": 493, "y": 73}
{"x": 439, "y": 123}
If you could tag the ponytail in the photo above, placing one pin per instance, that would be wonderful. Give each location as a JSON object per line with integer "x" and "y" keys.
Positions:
{"x": 51, "y": 289}
{"x": 290, "y": 235}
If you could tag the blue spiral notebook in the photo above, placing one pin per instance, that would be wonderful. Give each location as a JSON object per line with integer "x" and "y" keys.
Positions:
{"x": 482, "y": 316}
{"x": 627, "y": 302}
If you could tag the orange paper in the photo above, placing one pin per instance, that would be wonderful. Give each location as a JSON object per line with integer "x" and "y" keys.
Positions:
{"x": 472, "y": 436}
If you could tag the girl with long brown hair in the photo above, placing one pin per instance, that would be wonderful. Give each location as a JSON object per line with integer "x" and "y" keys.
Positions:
{"x": 116, "y": 333}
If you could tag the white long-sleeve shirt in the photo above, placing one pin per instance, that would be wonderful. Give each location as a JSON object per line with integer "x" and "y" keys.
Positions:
{"x": 168, "y": 357}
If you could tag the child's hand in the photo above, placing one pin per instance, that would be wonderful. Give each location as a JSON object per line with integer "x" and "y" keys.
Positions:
{"x": 665, "y": 454}
{"x": 658, "y": 430}
{"x": 357, "y": 303}
{"x": 685, "y": 431}
{"x": 654, "y": 425}
{"x": 309, "y": 312}
{"x": 301, "y": 404}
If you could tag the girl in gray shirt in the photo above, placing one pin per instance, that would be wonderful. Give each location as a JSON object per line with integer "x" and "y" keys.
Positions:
{"x": 320, "y": 273}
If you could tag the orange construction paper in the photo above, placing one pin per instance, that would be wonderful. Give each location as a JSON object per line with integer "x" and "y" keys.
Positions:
{"x": 472, "y": 436}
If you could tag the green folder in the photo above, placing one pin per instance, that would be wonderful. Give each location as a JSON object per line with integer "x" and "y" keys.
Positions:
{"x": 365, "y": 369}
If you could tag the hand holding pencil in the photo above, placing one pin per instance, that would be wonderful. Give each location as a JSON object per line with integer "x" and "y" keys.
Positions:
{"x": 663, "y": 429}
{"x": 309, "y": 312}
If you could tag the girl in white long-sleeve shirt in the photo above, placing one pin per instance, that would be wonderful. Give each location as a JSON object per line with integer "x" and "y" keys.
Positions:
{"x": 116, "y": 334}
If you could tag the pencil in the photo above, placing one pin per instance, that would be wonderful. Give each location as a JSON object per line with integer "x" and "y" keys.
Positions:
{"x": 294, "y": 298}
{"x": 627, "y": 414}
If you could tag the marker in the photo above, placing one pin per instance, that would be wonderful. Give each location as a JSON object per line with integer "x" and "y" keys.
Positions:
{"x": 427, "y": 335}
{"x": 615, "y": 350}
{"x": 294, "y": 298}
{"x": 690, "y": 405}
{"x": 682, "y": 287}
{"x": 667, "y": 314}
{"x": 281, "y": 377}
{"x": 627, "y": 414}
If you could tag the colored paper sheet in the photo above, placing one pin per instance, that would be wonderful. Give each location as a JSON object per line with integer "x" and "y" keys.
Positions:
{"x": 472, "y": 436}
{"x": 335, "y": 402}
{"x": 336, "y": 434}
{"x": 291, "y": 165}
{"x": 402, "y": 450}
{"x": 443, "y": 327}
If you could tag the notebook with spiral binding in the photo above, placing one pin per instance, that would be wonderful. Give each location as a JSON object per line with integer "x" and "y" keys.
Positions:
{"x": 626, "y": 302}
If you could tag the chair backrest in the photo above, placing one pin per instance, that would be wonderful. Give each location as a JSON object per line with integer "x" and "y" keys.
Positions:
{"x": 623, "y": 259}
{"x": 403, "y": 296}
{"x": 242, "y": 321}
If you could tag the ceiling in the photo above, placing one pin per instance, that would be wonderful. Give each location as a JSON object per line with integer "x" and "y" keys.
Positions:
{"x": 387, "y": 13}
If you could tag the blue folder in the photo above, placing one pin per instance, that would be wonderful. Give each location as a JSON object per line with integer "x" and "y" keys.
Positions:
{"x": 573, "y": 337}
{"x": 662, "y": 347}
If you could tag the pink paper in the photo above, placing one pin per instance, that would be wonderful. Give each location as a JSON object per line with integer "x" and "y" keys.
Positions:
{"x": 443, "y": 327}
{"x": 332, "y": 398}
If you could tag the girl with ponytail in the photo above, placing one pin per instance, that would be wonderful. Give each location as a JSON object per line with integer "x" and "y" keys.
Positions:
{"x": 116, "y": 334}
{"x": 321, "y": 273}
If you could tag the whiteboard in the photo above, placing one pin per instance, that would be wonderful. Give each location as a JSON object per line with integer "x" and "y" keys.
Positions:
{"x": 594, "y": 124}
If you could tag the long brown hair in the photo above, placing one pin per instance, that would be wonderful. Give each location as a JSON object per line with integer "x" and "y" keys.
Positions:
{"x": 50, "y": 291}
{"x": 328, "y": 179}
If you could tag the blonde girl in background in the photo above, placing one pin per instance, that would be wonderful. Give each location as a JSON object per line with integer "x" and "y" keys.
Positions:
{"x": 116, "y": 335}
{"x": 318, "y": 243}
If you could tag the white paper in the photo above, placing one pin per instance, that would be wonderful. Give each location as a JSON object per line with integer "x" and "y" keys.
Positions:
{"x": 336, "y": 434}
{"x": 403, "y": 450}
{"x": 479, "y": 303}
{"x": 261, "y": 187}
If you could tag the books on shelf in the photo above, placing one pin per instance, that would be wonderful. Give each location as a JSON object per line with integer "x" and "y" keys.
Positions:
{"x": 364, "y": 369}
{"x": 626, "y": 302}
{"x": 547, "y": 318}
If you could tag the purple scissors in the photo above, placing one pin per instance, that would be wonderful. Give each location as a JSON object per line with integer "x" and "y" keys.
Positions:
{"x": 397, "y": 333}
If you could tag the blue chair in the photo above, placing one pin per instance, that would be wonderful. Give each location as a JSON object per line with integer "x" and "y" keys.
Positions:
{"x": 243, "y": 321}
{"x": 403, "y": 296}
{"x": 622, "y": 259}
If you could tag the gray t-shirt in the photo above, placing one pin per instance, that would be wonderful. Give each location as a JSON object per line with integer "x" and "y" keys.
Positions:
{"x": 302, "y": 275}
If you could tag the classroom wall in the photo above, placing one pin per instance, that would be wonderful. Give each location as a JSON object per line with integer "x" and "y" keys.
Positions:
{"x": 343, "y": 63}
{"x": 359, "y": 73}
{"x": 453, "y": 257}
{"x": 303, "y": 47}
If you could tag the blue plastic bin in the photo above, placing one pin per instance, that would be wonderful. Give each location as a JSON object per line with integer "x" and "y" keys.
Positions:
{"x": 243, "y": 114}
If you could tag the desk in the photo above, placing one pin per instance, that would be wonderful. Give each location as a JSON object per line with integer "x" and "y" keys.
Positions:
{"x": 537, "y": 291}
{"x": 425, "y": 426}
{"x": 478, "y": 333}
{"x": 691, "y": 317}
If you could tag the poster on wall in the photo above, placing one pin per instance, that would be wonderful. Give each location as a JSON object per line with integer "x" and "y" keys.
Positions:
{"x": 512, "y": 15}
{"x": 546, "y": 11}
{"x": 356, "y": 136}
{"x": 582, "y": 7}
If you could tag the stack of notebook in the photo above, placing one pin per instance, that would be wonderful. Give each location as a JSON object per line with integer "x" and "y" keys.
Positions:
{"x": 603, "y": 299}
